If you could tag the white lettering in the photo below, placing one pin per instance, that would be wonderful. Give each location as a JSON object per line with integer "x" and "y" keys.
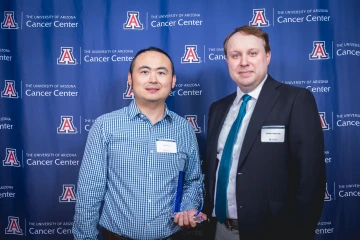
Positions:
{"x": 183, "y": 22}
{"x": 38, "y": 24}
{"x": 341, "y": 52}
{"x": 163, "y": 24}
{"x": 318, "y": 89}
{"x": 58, "y": 93}
{"x": 281, "y": 19}
{"x": 342, "y": 193}
{"x": 341, "y": 123}
{"x": 39, "y": 162}
{"x": 182, "y": 92}
{"x": 41, "y": 231}
{"x": 65, "y": 24}
{"x": 310, "y": 18}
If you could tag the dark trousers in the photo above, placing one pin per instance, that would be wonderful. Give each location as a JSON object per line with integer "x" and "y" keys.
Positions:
{"x": 107, "y": 235}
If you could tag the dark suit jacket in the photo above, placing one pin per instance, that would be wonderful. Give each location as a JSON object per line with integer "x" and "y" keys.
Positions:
{"x": 280, "y": 187}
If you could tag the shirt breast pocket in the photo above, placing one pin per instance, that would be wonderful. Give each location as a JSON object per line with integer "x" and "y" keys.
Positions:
{"x": 170, "y": 162}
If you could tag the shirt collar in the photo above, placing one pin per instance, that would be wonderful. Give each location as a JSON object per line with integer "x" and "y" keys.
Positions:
{"x": 254, "y": 93}
{"x": 134, "y": 111}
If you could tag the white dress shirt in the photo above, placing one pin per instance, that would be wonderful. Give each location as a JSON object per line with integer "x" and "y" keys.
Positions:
{"x": 230, "y": 119}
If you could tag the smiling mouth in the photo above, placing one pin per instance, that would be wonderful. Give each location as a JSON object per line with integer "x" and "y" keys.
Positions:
{"x": 247, "y": 73}
{"x": 152, "y": 90}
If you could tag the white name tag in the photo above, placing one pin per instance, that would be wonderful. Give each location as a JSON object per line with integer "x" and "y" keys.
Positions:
{"x": 273, "y": 134}
{"x": 166, "y": 146}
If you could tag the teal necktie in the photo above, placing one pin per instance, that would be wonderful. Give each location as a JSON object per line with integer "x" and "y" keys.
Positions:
{"x": 225, "y": 164}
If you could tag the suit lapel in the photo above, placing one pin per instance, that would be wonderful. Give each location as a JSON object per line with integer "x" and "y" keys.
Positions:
{"x": 267, "y": 99}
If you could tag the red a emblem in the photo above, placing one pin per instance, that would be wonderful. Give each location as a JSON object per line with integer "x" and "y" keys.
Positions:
{"x": 133, "y": 21}
{"x": 68, "y": 194}
{"x": 66, "y": 125}
{"x": 259, "y": 18}
{"x": 128, "y": 94}
{"x": 66, "y": 56}
{"x": 11, "y": 158}
{"x": 13, "y": 226}
{"x": 9, "y": 90}
{"x": 319, "y": 51}
{"x": 193, "y": 121}
{"x": 190, "y": 55}
{"x": 9, "y": 21}
{"x": 324, "y": 124}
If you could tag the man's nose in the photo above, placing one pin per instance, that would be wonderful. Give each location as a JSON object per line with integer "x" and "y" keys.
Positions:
{"x": 152, "y": 77}
{"x": 244, "y": 61}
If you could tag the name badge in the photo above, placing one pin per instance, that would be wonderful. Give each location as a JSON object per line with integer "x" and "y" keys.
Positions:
{"x": 166, "y": 146}
{"x": 273, "y": 134}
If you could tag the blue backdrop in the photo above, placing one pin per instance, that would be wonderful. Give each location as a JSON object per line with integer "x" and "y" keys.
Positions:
{"x": 64, "y": 63}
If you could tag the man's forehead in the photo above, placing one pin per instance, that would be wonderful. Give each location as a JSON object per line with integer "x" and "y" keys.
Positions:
{"x": 151, "y": 58}
{"x": 245, "y": 41}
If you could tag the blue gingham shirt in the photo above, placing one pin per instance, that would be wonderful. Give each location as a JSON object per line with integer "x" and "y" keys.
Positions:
{"x": 121, "y": 166}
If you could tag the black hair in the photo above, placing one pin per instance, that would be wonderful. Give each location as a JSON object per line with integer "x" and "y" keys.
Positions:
{"x": 155, "y": 49}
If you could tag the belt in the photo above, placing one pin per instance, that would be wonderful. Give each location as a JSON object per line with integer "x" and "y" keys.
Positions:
{"x": 231, "y": 224}
{"x": 108, "y": 235}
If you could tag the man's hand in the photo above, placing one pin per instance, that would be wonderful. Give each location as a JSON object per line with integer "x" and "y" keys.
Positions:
{"x": 185, "y": 219}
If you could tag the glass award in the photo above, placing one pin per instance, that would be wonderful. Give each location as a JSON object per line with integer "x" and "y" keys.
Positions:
{"x": 179, "y": 192}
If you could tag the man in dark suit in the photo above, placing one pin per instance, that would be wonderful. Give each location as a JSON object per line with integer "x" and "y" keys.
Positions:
{"x": 265, "y": 169}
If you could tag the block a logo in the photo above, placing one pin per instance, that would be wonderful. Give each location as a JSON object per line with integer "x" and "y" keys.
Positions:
{"x": 66, "y": 56}
{"x": 190, "y": 55}
{"x": 327, "y": 195}
{"x": 259, "y": 18}
{"x": 9, "y": 21}
{"x": 128, "y": 94}
{"x": 66, "y": 126}
{"x": 133, "y": 21}
{"x": 68, "y": 194}
{"x": 11, "y": 159}
{"x": 319, "y": 51}
{"x": 324, "y": 124}
{"x": 193, "y": 121}
{"x": 13, "y": 226}
{"x": 9, "y": 90}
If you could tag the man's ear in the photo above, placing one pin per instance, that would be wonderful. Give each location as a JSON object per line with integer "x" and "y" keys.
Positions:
{"x": 173, "y": 82}
{"x": 268, "y": 57}
{"x": 129, "y": 79}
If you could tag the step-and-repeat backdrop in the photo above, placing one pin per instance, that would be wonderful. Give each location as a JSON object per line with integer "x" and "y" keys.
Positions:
{"x": 63, "y": 63}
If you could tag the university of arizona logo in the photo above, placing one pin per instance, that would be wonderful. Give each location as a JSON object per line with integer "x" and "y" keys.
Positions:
{"x": 68, "y": 194}
{"x": 67, "y": 125}
{"x": 133, "y": 21}
{"x": 327, "y": 194}
{"x": 9, "y": 90}
{"x": 66, "y": 56}
{"x": 11, "y": 158}
{"x": 13, "y": 226}
{"x": 193, "y": 121}
{"x": 319, "y": 51}
{"x": 9, "y": 21}
{"x": 324, "y": 124}
{"x": 128, "y": 94}
{"x": 259, "y": 18}
{"x": 190, "y": 55}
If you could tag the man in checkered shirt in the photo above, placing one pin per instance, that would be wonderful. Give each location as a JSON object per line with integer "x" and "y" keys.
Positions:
{"x": 132, "y": 161}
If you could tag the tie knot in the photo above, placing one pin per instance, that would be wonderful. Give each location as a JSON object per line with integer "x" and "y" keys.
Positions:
{"x": 246, "y": 98}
